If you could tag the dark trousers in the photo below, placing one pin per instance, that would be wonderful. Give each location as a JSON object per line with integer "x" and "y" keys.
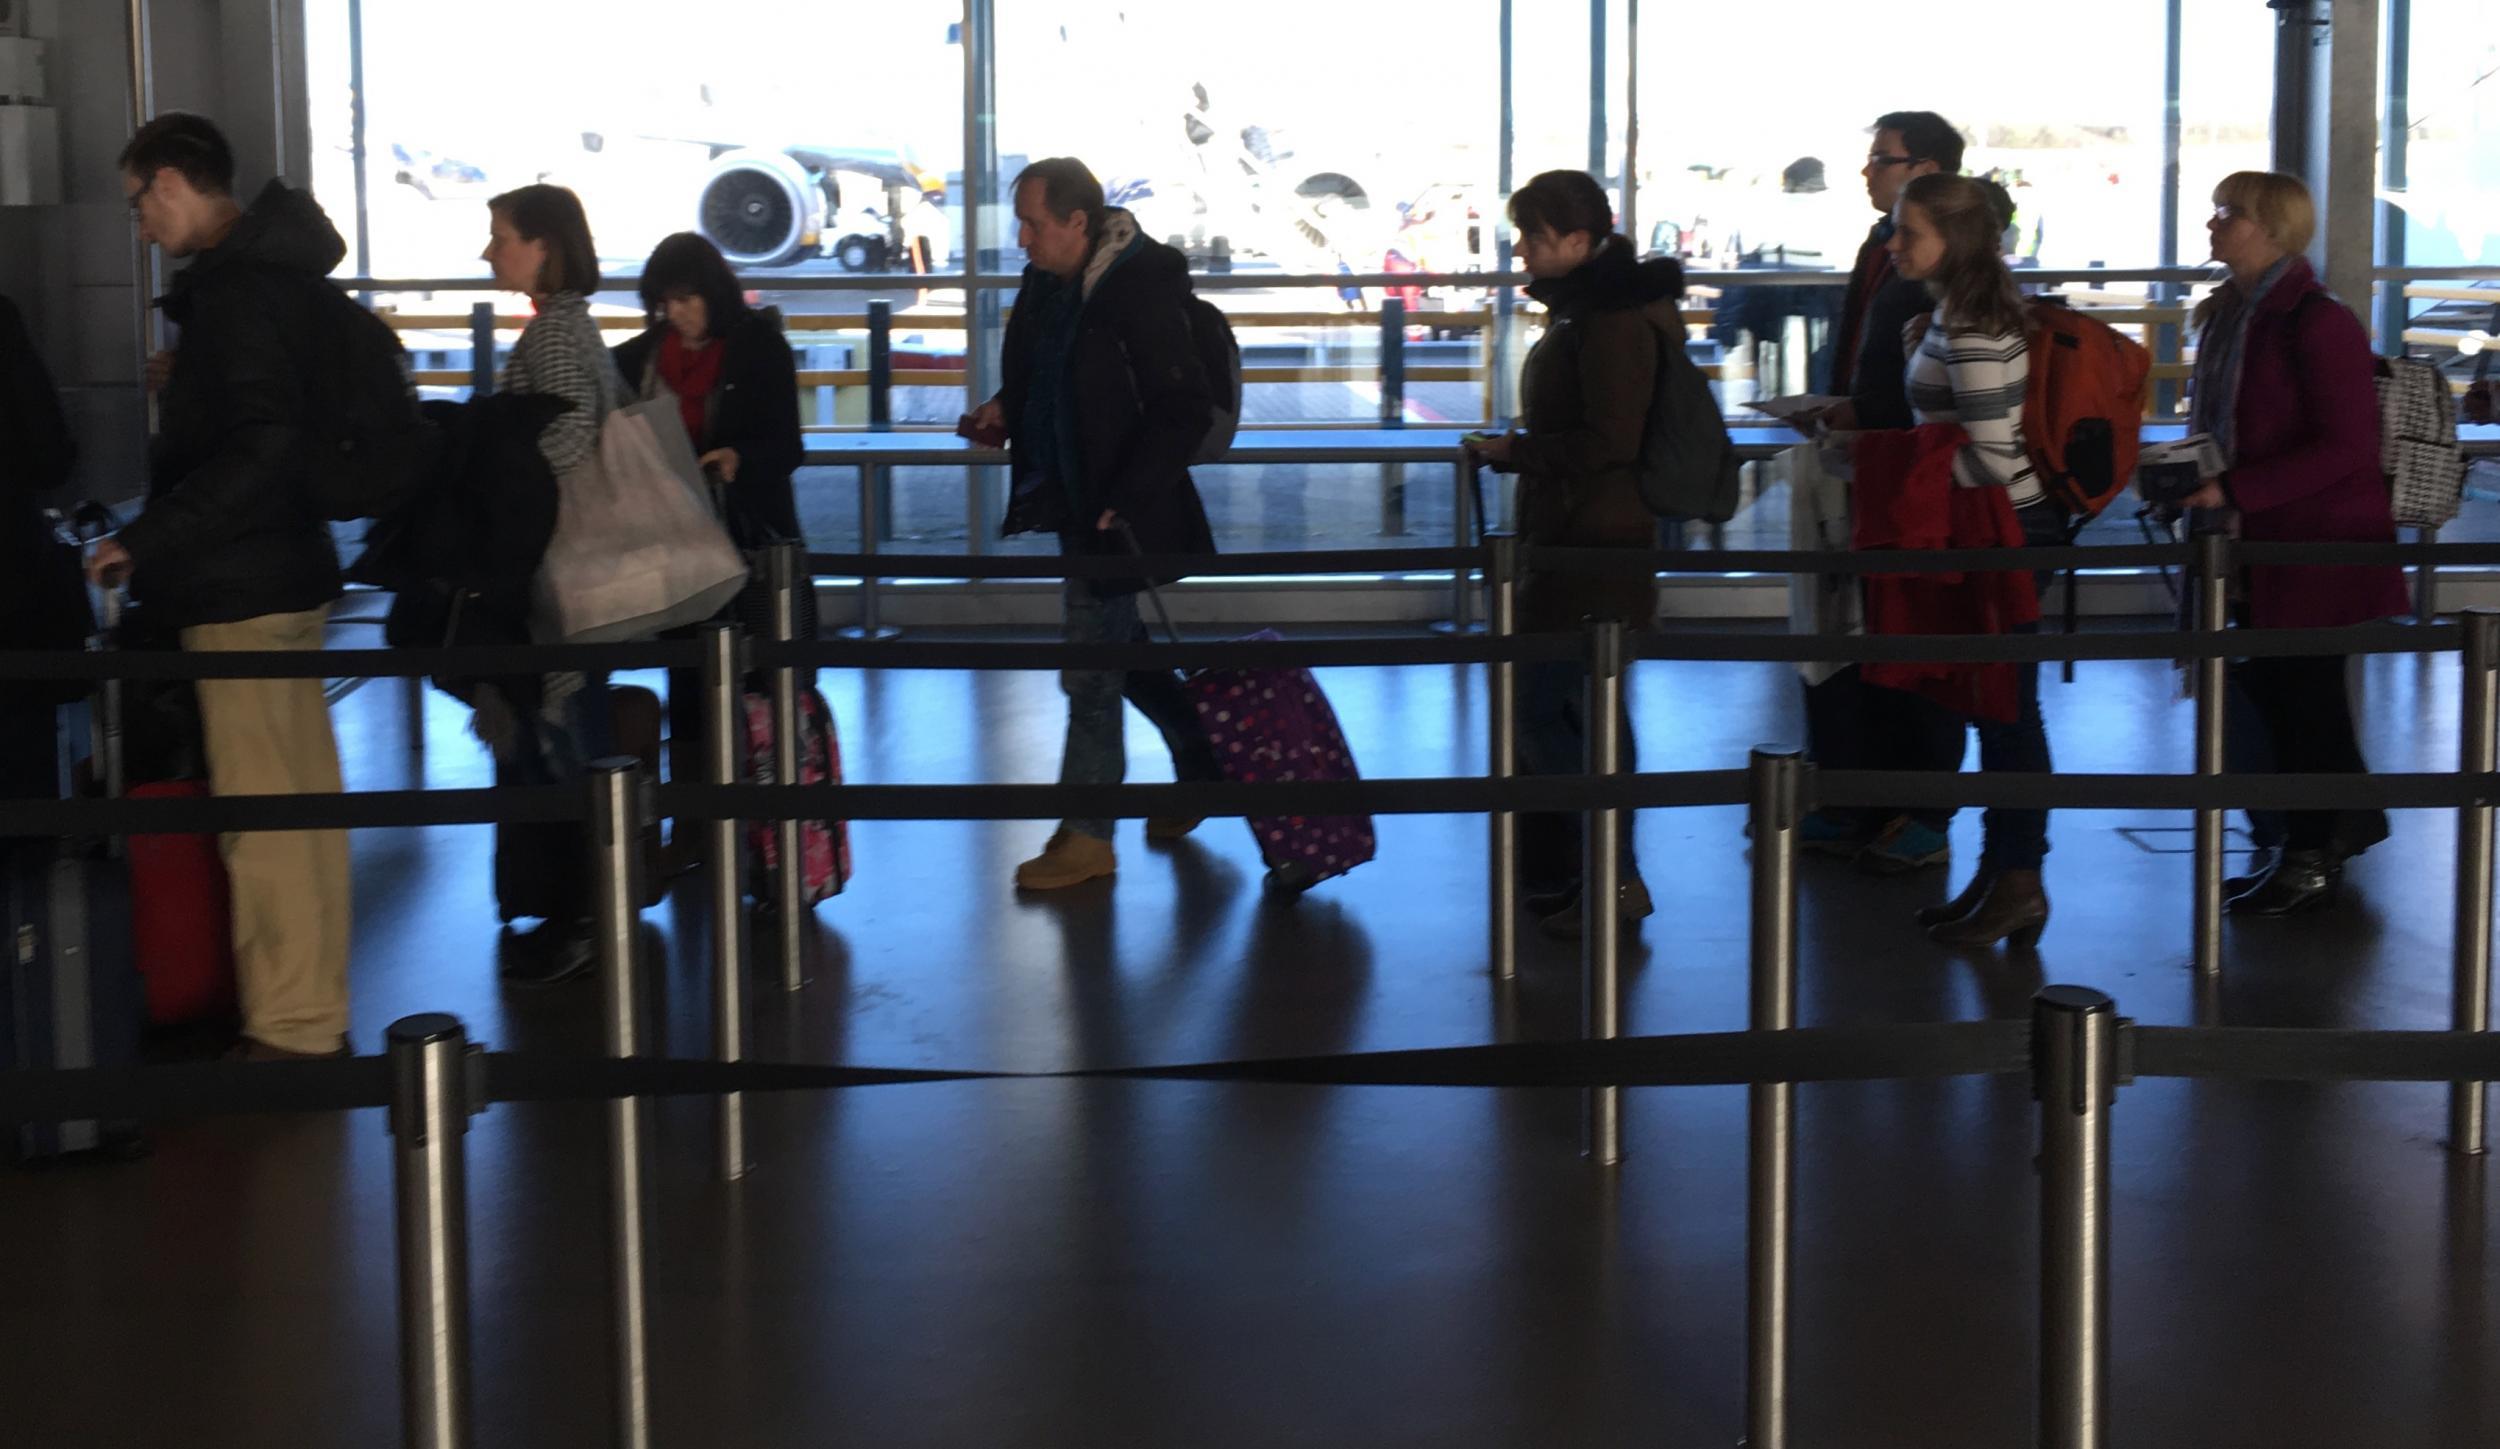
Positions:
{"x": 1853, "y": 725}
{"x": 2308, "y": 730}
{"x": 2016, "y": 839}
{"x": 1554, "y": 740}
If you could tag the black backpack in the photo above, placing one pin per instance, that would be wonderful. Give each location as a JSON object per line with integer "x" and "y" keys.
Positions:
{"x": 1688, "y": 466}
{"x": 1219, "y": 352}
{"x": 372, "y": 447}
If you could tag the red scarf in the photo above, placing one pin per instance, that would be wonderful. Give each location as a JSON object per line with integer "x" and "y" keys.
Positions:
{"x": 691, "y": 375}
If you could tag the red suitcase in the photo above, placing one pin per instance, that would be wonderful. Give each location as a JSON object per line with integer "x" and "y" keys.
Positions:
{"x": 181, "y": 918}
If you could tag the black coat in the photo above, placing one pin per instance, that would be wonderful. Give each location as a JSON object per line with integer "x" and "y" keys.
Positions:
{"x": 754, "y": 410}
{"x": 1142, "y": 407}
{"x": 1879, "y": 386}
{"x": 228, "y": 533}
{"x": 34, "y": 460}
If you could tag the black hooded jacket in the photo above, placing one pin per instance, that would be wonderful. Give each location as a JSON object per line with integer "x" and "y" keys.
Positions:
{"x": 1586, "y": 391}
{"x": 1139, "y": 403}
{"x": 228, "y": 533}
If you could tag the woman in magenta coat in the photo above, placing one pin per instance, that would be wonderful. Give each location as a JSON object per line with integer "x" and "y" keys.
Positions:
{"x": 2285, "y": 384}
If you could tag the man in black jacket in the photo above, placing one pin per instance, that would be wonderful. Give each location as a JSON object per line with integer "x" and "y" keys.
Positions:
{"x": 1105, "y": 401}
{"x": 230, "y": 552}
{"x": 1870, "y": 362}
{"x": 1848, "y": 724}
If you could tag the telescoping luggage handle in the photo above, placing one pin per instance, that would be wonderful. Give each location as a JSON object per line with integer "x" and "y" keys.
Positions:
{"x": 1128, "y": 535}
{"x": 90, "y": 522}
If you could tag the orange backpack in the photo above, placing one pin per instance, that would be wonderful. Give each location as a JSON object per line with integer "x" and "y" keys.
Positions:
{"x": 2084, "y": 410}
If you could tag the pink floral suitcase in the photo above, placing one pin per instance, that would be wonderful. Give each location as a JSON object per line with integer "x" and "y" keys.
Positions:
{"x": 1275, "y": 724}
{"x": 824, "y": 845}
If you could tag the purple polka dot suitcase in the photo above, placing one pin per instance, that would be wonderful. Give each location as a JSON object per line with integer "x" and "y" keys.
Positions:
{"x": 1275, "y": 724}
{"x": 1269, "y": 725}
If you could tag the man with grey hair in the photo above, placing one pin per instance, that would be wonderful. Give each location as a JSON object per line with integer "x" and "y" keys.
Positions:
{"x": 1105, "y": 400}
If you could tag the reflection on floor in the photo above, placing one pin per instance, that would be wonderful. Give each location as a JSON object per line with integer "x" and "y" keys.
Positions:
{"x": 1148, "y": 1264}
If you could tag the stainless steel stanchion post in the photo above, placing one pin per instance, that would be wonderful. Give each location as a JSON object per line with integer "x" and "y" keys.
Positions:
{"x": 723, "y": 731}
{"x": 412, "y": 699}
{"x": 2478, "y": 753}
{"x": 785, "y": 574}
{"x": 2074, "y": 1063}
{"x": 431, "y": 1105}
{"x": 2213, "y": 582}
{"x": 1462, "y": 531}
{"x": 1502, "y": 716}
{"x": 875, "y": 480}
{"x": 1771, "y": 1181}
{"x": 616, "y": 816}
{"x": 1601, "y": 918}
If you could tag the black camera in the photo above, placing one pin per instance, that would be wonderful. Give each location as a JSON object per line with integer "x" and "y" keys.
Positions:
{"x": 2170, "y": 483}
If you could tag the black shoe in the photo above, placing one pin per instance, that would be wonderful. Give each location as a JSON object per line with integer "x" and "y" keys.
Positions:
{"x": 1632, "y": 906}
{"x": 1540, "y": 904}
{"x": 2261, "y": 861}
{"x": 2302, "y": 880}
{"x": 550, "y": 954}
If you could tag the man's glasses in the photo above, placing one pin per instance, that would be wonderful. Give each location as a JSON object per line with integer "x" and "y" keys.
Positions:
{"x": 1879, "y": 159}
{"x": 141, "y": 194}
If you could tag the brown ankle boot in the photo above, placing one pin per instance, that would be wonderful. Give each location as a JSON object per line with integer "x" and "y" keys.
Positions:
{"x": 1961, "y": 905}
{"x": 2015, "y": 909}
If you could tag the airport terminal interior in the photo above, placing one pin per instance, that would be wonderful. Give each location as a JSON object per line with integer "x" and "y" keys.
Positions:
{"x": 1034, "y": 1252}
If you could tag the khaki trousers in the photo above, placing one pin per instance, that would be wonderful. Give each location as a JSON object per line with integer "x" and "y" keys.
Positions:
{"x": 272, "y": 737}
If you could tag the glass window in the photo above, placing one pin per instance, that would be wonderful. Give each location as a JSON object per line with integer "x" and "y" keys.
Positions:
{"x": 2441, "y": 181}
{"x": 828, "y": 149}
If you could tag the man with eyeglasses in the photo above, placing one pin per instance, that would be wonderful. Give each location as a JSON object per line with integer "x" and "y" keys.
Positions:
{"x": 230, "y": 553}
{"x": 1869, "y": 362}
{"x": 1848, "y": 725}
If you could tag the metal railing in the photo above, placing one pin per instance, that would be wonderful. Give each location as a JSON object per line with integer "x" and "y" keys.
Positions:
{"x": 2163, "y": 327}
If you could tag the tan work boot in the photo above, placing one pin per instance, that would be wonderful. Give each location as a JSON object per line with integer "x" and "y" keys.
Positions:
{"x": 1069, "y": 859}
{"x": 1164, "y": 829}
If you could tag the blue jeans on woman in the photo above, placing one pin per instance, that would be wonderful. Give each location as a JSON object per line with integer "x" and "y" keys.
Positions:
{"x": 2015, "y": 839}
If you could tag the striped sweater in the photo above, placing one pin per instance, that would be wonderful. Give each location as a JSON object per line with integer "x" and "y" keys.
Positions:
{"x": 561, "y": 353}
{"x": 1977, "y": 379}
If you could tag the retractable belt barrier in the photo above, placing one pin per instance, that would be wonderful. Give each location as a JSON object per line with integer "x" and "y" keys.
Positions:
{"x": 1703, "y": 1059}
{"x": 20, "y": 665}
{"x": 1453, "y": 795}
{"x": 1630, "y": 560}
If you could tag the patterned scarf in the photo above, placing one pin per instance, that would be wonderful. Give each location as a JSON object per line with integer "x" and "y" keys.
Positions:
{"x": 2213, "y": 407}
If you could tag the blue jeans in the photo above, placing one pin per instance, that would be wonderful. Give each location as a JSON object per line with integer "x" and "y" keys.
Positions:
{"x": 2016, "y": 839}
{"x": 1097, "y": 749}
{"x": 1554, "y": 740}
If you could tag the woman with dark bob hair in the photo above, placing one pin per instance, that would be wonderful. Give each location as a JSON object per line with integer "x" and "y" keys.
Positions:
{"x": 1585, "y": 392}
{"x": 738, "y": 387}
{"x": 733, "y": 377}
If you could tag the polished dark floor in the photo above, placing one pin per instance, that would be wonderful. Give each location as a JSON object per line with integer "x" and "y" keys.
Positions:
{"x": 1036, "y": 1263}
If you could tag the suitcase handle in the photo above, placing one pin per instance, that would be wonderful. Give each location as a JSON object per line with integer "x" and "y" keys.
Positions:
{"x": 1128, "y": 536}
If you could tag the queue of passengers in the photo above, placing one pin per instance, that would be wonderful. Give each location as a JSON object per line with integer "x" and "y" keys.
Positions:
{"x": 1105, "y": 399}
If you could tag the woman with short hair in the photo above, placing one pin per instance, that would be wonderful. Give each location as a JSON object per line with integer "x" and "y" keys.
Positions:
{"x": 2285, "y": 384}
{"x": 542, "y": 729}
{"x": 1585, "y": 392}
{"x": 737, "y": 387}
